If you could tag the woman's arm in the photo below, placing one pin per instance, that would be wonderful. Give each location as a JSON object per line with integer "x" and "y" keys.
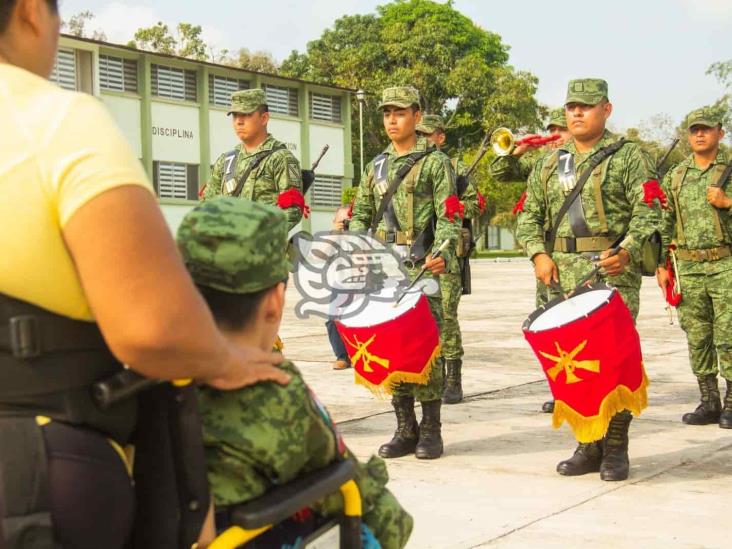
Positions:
{"x": 143, "y": 299}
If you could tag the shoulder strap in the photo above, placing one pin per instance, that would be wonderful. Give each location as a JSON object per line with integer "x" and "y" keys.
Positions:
{"x": 411, "y": 161}
{"x": 677, "y": 179}
{"x": 258, "y": 158}
{"x": 596, "y": 159}
{"x": 724, "y": 177}
{"x": 719, "y": 183}
{"x": 547, "y": 167}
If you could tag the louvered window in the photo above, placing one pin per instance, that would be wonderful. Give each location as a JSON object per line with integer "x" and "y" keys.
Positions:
{"x": 326, "y": 191}
{"x": 174, "y": 83}
{"x": 175, "y": 180}
{"x": 220, "y": 89}
{"x": 325, "y": 107}
{"x": 281, "y": 100}
{"x": 117, "y": 73}
{"x": 64, "y": 71}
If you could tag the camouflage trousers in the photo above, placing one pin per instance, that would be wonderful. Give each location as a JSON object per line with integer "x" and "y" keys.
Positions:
{"x": 382, "y": 513}
{"x": 705, "y": 314}
{"x": 433, "y": 389}
{"x": 573, "y": 267}
{"x": 450, "y": 336}
{"x": 542, "y": 294}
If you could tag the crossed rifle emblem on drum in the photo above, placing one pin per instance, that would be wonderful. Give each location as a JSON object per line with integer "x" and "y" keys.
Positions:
{"x": 566, "y": 363}
{"x": 363, "y": 354}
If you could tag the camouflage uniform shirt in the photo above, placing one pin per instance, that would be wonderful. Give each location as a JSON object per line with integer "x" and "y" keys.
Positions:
{"x": 622, "y": 199}
{"x": 434, "y": 184}
{"x": 267, "y": 434}
{"x": 470, "y": 196}
{"x": 697, "y": 215}
{"x": 277, "y": 173}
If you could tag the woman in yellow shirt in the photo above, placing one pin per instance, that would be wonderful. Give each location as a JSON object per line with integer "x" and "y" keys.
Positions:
{"x": 84, "y": 249}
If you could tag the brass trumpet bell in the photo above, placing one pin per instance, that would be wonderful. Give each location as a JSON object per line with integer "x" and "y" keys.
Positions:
{"x": 502, "y": 141}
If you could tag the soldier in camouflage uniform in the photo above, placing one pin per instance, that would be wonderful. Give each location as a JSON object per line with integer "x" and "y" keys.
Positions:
{"x": 612, "y": 208}
{"x": 433, "y": 128}
{"x": 698, "y": 220}
{"x": 425, "y": 200}
{"x": 260, "y": 168}
{"x": 266, "y": 434}
{"x": 518, "y": 166}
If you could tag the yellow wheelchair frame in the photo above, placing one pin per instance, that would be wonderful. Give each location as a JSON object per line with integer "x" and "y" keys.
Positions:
{"x": 252, "y": 519}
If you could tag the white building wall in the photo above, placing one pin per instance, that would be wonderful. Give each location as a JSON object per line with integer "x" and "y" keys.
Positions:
{"x": 126, "y": 112}
{"x": 175, "y": 133}
{"x": 332, "y": 162}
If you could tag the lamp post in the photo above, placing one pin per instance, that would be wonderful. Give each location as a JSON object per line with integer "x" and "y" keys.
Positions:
{"x": 361, "y": 96}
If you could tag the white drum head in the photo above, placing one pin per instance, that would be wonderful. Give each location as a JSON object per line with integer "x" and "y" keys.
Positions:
{"x": 577, "y": 306}
{"x": 378, "y": 312}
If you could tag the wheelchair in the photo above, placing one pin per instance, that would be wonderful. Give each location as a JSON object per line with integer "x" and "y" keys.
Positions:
{"x": 173, "y": 493}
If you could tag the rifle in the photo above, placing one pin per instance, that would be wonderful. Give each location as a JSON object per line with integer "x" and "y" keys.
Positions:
{"x": 659, "y": 167}
{"x": 462, "y": 183}
{"x": 308, "y": 176}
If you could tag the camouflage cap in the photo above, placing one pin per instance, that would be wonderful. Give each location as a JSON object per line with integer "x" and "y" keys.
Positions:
{"x": 588, "y": 91}
{"x": 399, "y": 96}
{"x": 431, "y": 123}
{"x": 246, "y": 101}
{"x": 557, "y": 117}
{"x": 706, "y": 116}
{"x": 234, "y": 245}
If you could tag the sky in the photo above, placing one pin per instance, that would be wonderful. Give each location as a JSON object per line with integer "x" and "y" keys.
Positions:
{"x": 653, "y": 53}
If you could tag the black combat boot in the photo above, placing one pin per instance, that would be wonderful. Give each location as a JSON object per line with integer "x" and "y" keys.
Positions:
{"x": 548, "y": 407}
{"x": 586, "y": 459}
{"x": 430, "y": 437}
{"x": 406, "y": 434}
{"x": 615, "y": 463}
{"x": 725, "y": 419}
{"x": 710, "y": 407}
{"x": 453, "y": 381}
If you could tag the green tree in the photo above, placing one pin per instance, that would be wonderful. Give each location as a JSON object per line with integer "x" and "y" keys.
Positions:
{"x": 187, "y": 42}
{"x": 461, "y": 70}
{"x": 722, "y": 71}
{"x": 258, "y": 61}
{"x": 156, "y": 38}
{"x": 190, "y": 43}
{"x": 76, "y": 26}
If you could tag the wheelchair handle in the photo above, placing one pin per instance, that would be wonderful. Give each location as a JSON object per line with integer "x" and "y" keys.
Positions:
{"x": 119, "y": 387}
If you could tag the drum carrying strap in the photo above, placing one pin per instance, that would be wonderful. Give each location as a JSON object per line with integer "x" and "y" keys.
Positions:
{"x": 387, "y": 191}
{"x": 595, "y": 161}
{"x": 231, "y": 159}
{"x": 25, "y": 516}
{"x": 567, "y": 175}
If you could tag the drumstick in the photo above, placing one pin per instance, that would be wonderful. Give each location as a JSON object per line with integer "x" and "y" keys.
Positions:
{"x": 668, "y": 308}
{"x": 437, "y": 254}
{"x": 593, "y": 272}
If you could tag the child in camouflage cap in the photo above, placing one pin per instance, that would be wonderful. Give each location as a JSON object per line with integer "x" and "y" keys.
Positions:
{"x": 266, "y": 434}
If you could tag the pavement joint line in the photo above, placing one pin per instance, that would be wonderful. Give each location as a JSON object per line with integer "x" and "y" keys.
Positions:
{"x": 469, "y": 398}
{"x": 641, "y": 480}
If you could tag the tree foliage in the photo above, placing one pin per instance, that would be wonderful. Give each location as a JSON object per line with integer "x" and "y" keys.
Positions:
{"x": 76, "y": 26}
{"x": 460, "y": 69}
{"x": 187, "y": 41}
{"x": 258, "y": 61}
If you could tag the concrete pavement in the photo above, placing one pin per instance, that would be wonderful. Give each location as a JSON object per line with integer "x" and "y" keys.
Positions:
{"x": 496, "y": 485}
